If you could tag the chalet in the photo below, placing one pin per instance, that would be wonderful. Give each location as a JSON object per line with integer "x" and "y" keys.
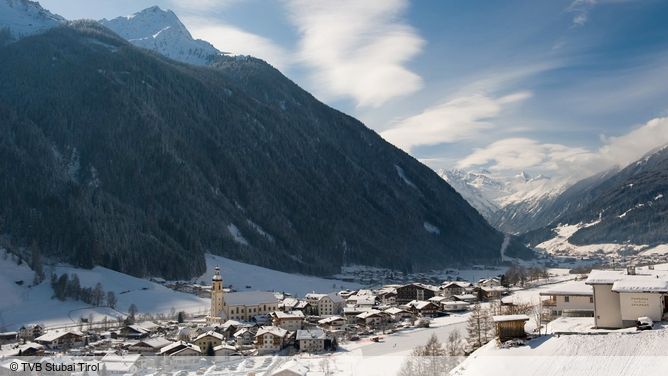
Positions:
{"x": 438, "y": 299}
{"x": 61, "y": 339}
{"x": 225, "y": 350}
{"x": 230, "y": 327}
{"x": 116, "y": 364}
{"x": 398, "y": 314}
{"x": 468, "y": 298}
{"x": 30, "y": 332}
{"x": 455, "y": 288}
{"x": 571, "y": 299}
{"x": 244, "y": 337}
{"x": 182, "y": 354}
{"x": 510, "y": 326}
{"x": 290, "y": 320}
{"x": 362, "y": 300}
{"x": 291, "y": 368}
{"x": 387, "y": 296}
{"x": 415, "y": 291}
{"x": 311, "y": 340}
{"x": 325, "y": 304}
{"x": 423, "y": 308}
{"x": 485, "y": 293}
{"x": 208, "y": 339}
{"x": 455, "y": 306}
{"x": 180, "y": 348}
{"x": 26, "y": 349}
{"x": 489, "y": 282}
{"x": 270, "y": 339}
{"x": 621, "y": 297}
{"x": 8, "y": 337}
{"x": 372, "y": 318}
{"x": 333, "y": 323}
{"x": 293, "y": 304}
{"x": 149, "y": 346}
{"x": 350, "y": 313}
{"x": 134, "y": 331}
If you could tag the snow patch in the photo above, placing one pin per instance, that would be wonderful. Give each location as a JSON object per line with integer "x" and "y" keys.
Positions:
{"x": 402, "y": 175}
{"x": 431, "y": 228}
{"x": 236, "y": 234}
{"x": 260, "y": 230}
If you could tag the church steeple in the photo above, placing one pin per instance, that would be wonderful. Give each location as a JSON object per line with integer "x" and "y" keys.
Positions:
{"x": 216, "y": 293}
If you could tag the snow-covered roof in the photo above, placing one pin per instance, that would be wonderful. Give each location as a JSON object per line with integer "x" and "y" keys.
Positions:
{"x": 456, "y": 284}
{"x": 310, "y": 334}
{"x": 250, "y": 298}
{"x": 329, "y": 320}
{"x": 288, "y": 315}
{"x": 604, "y": 277}
{"x": 420, "y": 304}
{"x": 54, "y": 335}
{"x": 210, "y": 333}
{"x": 292, "y": 367}
{"x": 641, "y": 284}
{"x": 367, "y": 314}
{"x": 572, "y": 288}
{"x": 279, "y": 332}
{"x": 504, "y": 318}
{"x": 116, "y": 358}
{"x": 644, "y": 280}
{"x": 332, "y": 295}
{"x": 395, "y": 310}
{"x": 156, "y": 343}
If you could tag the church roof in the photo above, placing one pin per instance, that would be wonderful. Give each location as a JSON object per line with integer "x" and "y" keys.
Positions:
{"x": 250, "y": 298}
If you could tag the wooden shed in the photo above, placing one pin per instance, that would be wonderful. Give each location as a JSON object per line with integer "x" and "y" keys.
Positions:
{"x": 510, "y": 326}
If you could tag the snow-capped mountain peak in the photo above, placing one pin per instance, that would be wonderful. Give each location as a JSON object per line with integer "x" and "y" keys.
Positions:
{"x": 23, "y": 18}
{"x": 161, "y": 31}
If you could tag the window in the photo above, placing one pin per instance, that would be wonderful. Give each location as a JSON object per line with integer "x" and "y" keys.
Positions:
{"x": 567, "y": 299}
{"x": 591, "y": 299}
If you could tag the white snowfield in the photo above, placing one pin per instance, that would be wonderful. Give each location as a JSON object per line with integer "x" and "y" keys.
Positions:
{"x": 25, "y": 18}
{"x": 628, "y": 353}
{"x": 239, "y": 275}
{"x": 560, "y": 244}
{"x": 22, "y": 304}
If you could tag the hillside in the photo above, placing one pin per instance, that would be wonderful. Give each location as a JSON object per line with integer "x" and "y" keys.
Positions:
{"x": 115, "y": 156}
{"x": 625, "y": 207}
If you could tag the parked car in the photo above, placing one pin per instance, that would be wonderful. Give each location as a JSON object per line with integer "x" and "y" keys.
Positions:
{"x": 644, "y": 323}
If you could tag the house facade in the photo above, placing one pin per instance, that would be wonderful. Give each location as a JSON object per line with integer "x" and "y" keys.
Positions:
{"x": 325, "y": 304}
{"x": 415, "y": 291}
{"x": 621, "y": 297}
{"x": 270, "y": 339}
{"x": 572, "y": 299}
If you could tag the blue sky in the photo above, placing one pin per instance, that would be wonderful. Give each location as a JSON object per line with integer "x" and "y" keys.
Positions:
{"x": 563, "y": 88}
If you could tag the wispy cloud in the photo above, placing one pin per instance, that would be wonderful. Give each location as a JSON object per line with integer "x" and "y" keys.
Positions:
{"x": 580, "y": 10}
{"x": 454, "y": 120}
{"x": 510, "y": 155}
{"x": 237, "y": 41}
{"x": 357, "y": 49}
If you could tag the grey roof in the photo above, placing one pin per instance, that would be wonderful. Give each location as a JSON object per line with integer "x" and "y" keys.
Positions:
{"x": 250, "y": 298}
{"x": 310, "y": 334}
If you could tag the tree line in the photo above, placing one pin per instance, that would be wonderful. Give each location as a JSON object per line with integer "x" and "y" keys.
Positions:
{"x": 66, "y": 286}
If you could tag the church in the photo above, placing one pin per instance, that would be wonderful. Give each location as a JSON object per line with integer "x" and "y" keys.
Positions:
{"x": 241, "y": 306}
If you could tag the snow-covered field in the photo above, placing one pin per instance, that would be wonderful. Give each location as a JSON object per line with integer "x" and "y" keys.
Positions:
{"x": 383, "y": 358}
{"x": 621, "y": 353}
{"x": 23, "y": 304}
{"x": 240, "y": 275}
{"x": 559, "y": 245}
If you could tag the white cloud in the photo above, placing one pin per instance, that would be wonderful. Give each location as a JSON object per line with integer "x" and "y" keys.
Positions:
{"x": 357, "y": 49}
{"x": 237, "y": 41}
{"x": 455, "y": 120}
{"x": 581, "y": 9}
{"x": 202, "y": 5}
{"x": 510, "y": 155}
